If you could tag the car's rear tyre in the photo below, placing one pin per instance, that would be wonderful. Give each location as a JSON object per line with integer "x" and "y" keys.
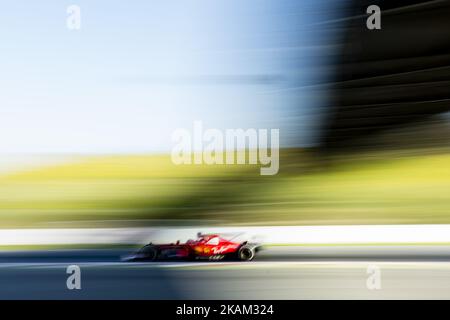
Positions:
{"x": 149, "y": 253}
{"x": 246, "y": 253}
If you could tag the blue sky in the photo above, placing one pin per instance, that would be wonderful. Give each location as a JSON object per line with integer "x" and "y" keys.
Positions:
{"x": 137, "y": 70}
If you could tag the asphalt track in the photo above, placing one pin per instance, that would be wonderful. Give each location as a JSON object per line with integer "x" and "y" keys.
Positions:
{"x": 406, "y": 272}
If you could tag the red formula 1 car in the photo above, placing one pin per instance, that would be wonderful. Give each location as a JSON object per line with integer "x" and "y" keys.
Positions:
{"x": 206, "y": 247}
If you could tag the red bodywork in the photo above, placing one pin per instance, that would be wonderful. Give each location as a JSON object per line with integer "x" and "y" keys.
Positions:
{"x": 205, "y": 246}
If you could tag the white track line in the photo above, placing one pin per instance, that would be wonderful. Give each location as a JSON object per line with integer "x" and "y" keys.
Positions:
{"x": 231, "y": 265}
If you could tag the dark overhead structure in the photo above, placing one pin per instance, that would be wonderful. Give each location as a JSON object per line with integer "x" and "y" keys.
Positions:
{"x": 389, "y": 77}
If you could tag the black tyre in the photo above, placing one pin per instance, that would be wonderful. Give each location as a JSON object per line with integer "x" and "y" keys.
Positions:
{"x": 149, "y": 253}
{"x": 246, "y": 253}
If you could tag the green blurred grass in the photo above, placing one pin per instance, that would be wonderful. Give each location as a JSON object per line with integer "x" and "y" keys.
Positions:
{"x": 372, "y": 188}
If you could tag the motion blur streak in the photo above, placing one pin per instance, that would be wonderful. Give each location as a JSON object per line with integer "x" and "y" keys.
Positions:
{"x": 394, "y": 79}
{"x": 282, "y": 273}
{"x": 87, "y": 118}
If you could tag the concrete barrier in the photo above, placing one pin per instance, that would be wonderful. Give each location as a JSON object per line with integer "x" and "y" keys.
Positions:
{"x": 356, "y": 234}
